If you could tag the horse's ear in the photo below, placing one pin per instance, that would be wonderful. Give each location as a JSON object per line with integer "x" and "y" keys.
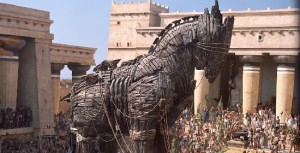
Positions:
{"x": 216, "y": 13}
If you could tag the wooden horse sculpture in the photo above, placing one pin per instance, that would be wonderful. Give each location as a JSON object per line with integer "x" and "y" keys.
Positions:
{"x": 133, "y": 105}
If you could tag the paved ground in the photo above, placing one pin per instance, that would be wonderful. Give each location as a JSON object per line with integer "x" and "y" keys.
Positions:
{"x": 240, "y": 150}
{"x": 237, "y": 147}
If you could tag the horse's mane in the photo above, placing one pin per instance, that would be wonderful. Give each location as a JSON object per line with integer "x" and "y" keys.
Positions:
{"x": 169, "y": 27}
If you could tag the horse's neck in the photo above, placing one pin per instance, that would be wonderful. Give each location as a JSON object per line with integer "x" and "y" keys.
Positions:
{"x": 181, "y": 70}
{"x": 172, "y": 46}
{"x": 174, "y": 38}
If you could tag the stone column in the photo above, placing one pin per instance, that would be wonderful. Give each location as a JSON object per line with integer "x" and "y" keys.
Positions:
{"x": 8, "y": 81}
{"x": 34, "y": 84}
{"x": 296, "y": 101}
{"x": 284, "y": 85}
{"x": 215, "y": 87}
{"x": 251, "y": 82}
{"x": 78, "y": 71}
{"x": 55, "y": 77}
{"x": 201, "y": 90}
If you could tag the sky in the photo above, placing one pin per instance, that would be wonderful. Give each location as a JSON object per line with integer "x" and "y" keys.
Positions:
{"x": 86, "y": 22}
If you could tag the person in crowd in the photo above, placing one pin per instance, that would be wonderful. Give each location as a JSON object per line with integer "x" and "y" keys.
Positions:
{"x": 263, "y": 130}
{"x": 19, "y": 118}
{"x": 205, "y": 134}
{"x": 277, "y": 123}
{"x": 206, "y": 114}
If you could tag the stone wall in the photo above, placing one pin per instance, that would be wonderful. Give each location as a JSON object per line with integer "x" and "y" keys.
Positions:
{"x": 64, "y": 54}
{"x": 256, "y": 32}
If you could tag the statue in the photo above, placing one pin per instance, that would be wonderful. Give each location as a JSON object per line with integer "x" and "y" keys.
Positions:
{"x": 9, "y": 45}
{"x": 134, "y": 105}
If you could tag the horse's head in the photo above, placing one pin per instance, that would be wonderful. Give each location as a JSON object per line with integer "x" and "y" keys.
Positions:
{"x": 213, "y": 41}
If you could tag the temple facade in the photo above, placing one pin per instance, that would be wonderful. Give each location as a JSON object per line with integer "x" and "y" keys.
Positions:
{"x": 30, "y": 65}
{"x": 262, "y": 67}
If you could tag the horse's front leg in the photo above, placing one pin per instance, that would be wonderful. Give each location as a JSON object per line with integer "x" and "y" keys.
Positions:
{"x": 143, "y": 136}
{"x": 144, "y": 113}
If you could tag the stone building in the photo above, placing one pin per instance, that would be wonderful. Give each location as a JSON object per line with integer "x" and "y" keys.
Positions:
{"x": 263, "y": 64}
{"x": 30, "y": 66}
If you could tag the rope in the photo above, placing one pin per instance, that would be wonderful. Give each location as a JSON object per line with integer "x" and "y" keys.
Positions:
{"x": 104, "y": 107}
{"x": 211, "y": 50}
{"x": 137, "y": 117}
{"x": 100, "y": 91}
{"x": 217, "y": 47}
{"x": 167, "y": 132}
{"x": 110, "y": 124}
{"x": 169, "y": 73}
{"x": 98, "y": 136}
{"x": 122, "y": 135}
{"x": 108, "y": 119}
{"x": 201, "y": 45}
{"x": 216, "y": 43}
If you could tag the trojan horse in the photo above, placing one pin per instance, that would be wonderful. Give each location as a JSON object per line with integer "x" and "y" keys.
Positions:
{"x": 134, "y": 105}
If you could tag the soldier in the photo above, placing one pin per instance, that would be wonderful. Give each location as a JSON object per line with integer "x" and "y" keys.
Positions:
{"x": 282, "y": 140}
{"x": 9, "y": 116}
{"x": 277, "y": 123}
{"x": 275, "y": 142}
{"x": 16, "y": 119}
{"x": 294, "y": 140}
{"x": 28, "y": 116}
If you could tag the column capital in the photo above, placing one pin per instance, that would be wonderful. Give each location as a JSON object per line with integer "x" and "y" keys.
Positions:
{"x": 79, "y": 68}
{"x": 285, "y": 60}
{"x": 252, "y": 60}
{"x": 56, "y": 68}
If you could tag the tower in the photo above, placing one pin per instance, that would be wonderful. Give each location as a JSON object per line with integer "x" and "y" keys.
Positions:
{"x": 125, "y": 20}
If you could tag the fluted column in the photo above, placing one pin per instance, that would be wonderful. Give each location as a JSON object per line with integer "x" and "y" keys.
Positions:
{"x": 251, "y": 82}
{"x": 8, "y": 81}
{"x": 78, "y": 71}
{"x": 284, "y": 85}
{"x": 55, "y": 77}
{"x": 201, "y": 90}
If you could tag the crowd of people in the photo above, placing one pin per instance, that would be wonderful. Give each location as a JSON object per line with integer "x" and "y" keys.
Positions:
{"x": 53, "y": 144}
{"x": 211, "y": 129}
{"x": 21, "y": 117}
{"x": 198, "y": 133}
{"x": 43, "y": 144}
{"x": 62, "y": 121}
